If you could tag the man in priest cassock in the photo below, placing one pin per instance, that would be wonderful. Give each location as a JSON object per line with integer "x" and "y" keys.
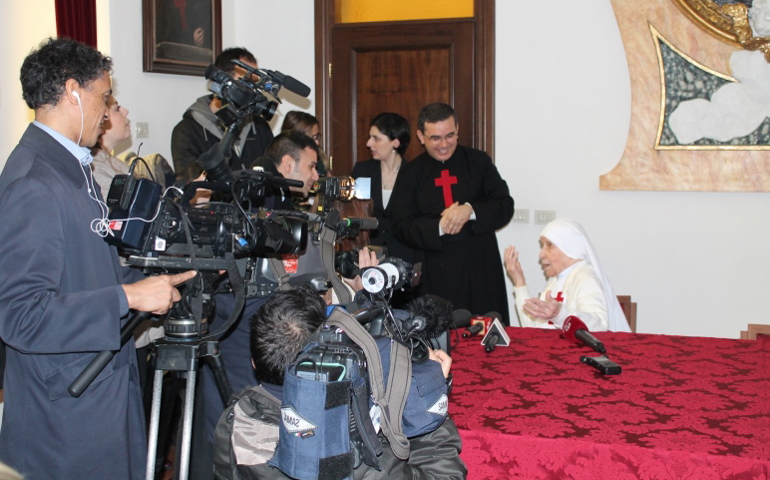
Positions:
{"x": 447, "y": 203}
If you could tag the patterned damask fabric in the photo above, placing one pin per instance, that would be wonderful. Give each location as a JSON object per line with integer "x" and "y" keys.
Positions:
{"x": 683, "y": 408}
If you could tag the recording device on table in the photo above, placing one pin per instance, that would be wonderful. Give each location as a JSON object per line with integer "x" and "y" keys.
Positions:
{"x": 602, "y": 363}
{"x": 576, "y": 330}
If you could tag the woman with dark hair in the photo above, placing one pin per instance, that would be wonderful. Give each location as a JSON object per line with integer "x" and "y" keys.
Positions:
{"x": 388, "y": 140}
{"x": 303, "y": 122}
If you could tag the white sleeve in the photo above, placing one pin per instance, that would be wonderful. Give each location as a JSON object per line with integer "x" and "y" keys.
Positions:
{"x": 585, "y": 300}
{"x": 521, "y": 294}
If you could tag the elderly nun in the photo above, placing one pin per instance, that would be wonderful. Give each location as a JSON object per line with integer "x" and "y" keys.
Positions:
{"x": 576, "y": 285}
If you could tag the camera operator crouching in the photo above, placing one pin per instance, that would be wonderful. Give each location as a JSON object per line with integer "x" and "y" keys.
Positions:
{"x": 292, "y": 156}
{"x": 295, "y": 322}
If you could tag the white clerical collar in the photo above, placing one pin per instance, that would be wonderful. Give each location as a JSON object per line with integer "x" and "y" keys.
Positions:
{"x": 83, "y": 154}
{"x": 558, "y": 284}
{"x": 563, "y": 274}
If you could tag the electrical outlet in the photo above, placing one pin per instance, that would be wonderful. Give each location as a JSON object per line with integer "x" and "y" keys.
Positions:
{"x": 521, "y": 215}
{"x": 142, "y": 129}
{"x": 544, "y": 216}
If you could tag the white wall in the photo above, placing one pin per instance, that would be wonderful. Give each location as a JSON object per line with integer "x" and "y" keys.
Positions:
{"x": 21, "y": 30}
{"x": 694, "y": 262}
{"x": 160, "y": 99}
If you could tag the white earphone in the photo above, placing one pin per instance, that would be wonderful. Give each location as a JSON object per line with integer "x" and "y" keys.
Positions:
{"x": 76, "y": 95}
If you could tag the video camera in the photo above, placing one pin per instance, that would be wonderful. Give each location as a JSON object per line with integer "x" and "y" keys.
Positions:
{"x": 245, "y": 95}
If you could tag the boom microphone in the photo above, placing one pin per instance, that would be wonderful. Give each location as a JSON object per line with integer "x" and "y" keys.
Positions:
{"x": 576, "y": 330}
{"x": 290, "y": 83}
{"x": 437, "y": 312}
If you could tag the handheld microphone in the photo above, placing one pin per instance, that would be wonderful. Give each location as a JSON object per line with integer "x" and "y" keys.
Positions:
{"x": 576, "y": 330}
{"x": 480, "y": 324}
{"x": 474, "y": 329}
{"x": 495, "y": 334}
{"x": 491, "y": 342}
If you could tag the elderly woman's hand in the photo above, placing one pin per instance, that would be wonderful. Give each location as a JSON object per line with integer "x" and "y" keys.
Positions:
{"x": 513, "y": 267}
{"x": 546, "y": 309}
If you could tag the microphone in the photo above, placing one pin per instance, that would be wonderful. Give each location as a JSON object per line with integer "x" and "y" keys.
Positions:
{"x": 575, "y": 330}
{"x": 461, "y": 318}
{"x": 290, "y": 83}
{"x": 437, "y": 313}
{"x": 491, "y": 342}
{"x": 480, "y": 324}
{"x": 360, "y": 223}
{"x": 474, "y": 329}
{"x": 495, "y": 335}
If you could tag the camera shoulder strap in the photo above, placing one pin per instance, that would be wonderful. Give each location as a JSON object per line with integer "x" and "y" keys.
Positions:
{"x": 328, "y": 239}
{"x": 391, "y": 398}
{"x": 276, "y": 264}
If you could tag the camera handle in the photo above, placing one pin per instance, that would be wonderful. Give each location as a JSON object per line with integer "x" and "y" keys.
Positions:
{"x": 79, "y": 385}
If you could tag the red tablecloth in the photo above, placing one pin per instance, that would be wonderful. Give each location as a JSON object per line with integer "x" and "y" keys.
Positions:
{"x": 682, "y": 408}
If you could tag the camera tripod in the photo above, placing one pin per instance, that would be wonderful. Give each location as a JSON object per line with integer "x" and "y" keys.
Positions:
{"x": 185, "y": 356}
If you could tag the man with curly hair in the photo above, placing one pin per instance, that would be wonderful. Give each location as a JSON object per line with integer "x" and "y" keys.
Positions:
{"x": 63, "y": 293}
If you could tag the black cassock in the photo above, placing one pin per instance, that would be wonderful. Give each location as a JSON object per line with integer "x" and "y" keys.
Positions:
{"x": 464, "y": 268}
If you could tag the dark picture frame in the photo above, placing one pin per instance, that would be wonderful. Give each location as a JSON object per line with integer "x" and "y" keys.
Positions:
{"x": 181, "y": 41}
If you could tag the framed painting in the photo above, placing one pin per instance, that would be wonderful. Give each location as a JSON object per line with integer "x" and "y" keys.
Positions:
{"x": 181, "y": 36}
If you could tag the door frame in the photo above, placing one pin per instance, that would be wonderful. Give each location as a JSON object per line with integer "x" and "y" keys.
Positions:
{"x": 484, "y": 71}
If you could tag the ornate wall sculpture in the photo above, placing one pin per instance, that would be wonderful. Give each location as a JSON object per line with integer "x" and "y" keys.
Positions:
{"x": 700, "y": 87}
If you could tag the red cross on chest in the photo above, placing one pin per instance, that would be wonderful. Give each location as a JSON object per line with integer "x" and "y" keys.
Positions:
{"x": 445, "y": 181}
{"x": 559, "y": 297}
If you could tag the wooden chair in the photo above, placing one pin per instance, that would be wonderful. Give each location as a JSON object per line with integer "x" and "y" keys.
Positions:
{"x": 629, "y": 309}
{"x": 755, "y": 329}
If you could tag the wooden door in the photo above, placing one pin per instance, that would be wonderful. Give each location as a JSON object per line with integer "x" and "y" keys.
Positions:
{"x": 367, "y": 68}
{"x": 396, "y": 67}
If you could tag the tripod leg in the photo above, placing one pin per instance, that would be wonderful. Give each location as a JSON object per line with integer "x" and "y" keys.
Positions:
{"x": 220, "y": 377}
{"x": 187, "y": 419}
{"x": 152, "y": 439}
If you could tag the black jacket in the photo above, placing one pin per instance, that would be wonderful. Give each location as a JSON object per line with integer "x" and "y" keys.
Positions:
{"x": 383, "y": 236}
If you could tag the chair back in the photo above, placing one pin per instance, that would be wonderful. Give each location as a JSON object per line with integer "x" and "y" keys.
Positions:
{"x": 754, "y": 329}
{"x": 629, "y": 309}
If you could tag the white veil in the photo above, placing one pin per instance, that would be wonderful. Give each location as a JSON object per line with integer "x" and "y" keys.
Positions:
{"x": 571, "y": 239}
